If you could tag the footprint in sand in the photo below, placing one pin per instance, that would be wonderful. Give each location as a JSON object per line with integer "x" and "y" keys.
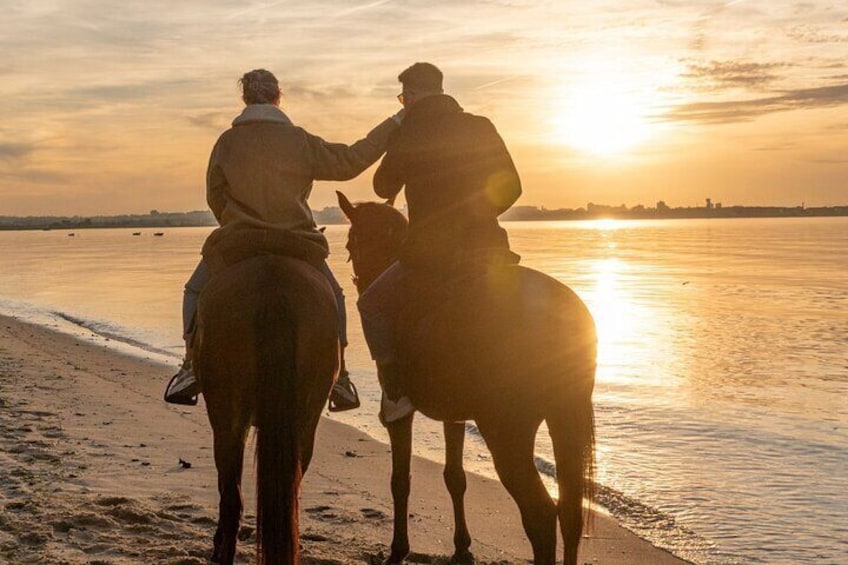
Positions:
{"x": 313, "y": 537}
{"x": 324, "y": 513}
{"x": 373, "y": 514}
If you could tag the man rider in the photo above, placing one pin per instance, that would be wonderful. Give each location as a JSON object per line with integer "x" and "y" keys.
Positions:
{"x": 459, "y": 178}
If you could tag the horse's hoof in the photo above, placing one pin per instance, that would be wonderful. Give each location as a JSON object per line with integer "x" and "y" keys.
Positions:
{"x": 462, "y": 558}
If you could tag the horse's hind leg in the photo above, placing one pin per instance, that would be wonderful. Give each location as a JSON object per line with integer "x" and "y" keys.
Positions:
{"x": 511, "y": 441}
{"x": 571, "y": 427}
{"x": 455, "y": 481}
{"x": 229, "y": 457}
{"x": 400, "y": 436}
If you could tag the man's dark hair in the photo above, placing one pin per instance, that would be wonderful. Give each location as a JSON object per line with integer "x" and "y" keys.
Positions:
{"x": 422, "y": 77}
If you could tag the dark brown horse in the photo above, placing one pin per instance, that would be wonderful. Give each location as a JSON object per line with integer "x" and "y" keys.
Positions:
{"x": 266, "y": 352}
{"x": 507, "y": 347}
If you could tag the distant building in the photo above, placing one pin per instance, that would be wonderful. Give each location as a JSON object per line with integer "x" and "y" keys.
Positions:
{"x": 709, "y": 205}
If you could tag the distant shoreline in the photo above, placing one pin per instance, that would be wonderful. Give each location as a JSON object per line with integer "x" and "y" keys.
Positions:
{"x": 334, "y": 216}
{"x": 599, "y": 212}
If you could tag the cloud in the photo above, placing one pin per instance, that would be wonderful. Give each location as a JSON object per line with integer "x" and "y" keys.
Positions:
{"x": 215, "y": 121}
{"x": 808, "y": 34}
{"x": 321, "y": 95}
{"x": 495, "y": 82}
{"x": 744, "y": 110}
{"x": 733, "y": 74}
{"x": 825, "y": 161}
{"x": 843, "y": 126}
{"x": 776, "y": 146}
{"x": 107, "y": 92}
{"x": 73, "y": 98}
{"x": 119, "y": 89}
{"x": 349, "y": 11}
{"x": 818, "y": 97}
{"x": 256, "y": 8}
{"x": 9, "y": 151}
{"x": 103, "y": 31}
{"x": 34, "y": 176}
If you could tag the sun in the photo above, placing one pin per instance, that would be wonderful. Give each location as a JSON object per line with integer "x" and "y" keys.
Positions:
{"x": 605, "y": 108}
{"x": 597, "y": 119}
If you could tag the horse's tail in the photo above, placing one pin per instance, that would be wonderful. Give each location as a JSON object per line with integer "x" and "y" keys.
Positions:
{"x": 278, "y": 470}
{"x": 571, "y": 423}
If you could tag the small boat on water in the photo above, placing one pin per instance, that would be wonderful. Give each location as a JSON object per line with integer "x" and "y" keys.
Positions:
{"x": 159, "y": 233}
{"x": 136, "y": 233}
{"x": 72, "y": 234}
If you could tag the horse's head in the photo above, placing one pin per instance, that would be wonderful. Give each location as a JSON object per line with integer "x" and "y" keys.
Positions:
{"x": 376, "y": 233}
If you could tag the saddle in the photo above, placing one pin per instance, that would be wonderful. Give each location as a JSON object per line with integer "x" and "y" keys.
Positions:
{"x": 431, "y": 284}
{"x": 429, "y": 291}
{"x": 224, "y": 250}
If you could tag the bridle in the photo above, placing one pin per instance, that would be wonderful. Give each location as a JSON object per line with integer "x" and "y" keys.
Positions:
{"x": 384, "y": 245}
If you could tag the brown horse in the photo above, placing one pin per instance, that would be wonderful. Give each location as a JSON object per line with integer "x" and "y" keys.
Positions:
{"x": 507, "y": 347}
{"x": 266, "y": 352}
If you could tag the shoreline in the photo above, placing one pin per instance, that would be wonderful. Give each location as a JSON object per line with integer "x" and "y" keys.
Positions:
{"x": 90, "y": 467}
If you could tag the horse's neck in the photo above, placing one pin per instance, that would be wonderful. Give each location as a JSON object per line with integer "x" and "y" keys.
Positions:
{"x": 369, "y": 272}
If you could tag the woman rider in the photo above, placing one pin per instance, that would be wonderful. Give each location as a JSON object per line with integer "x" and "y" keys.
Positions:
{"x": 259, "y": 178}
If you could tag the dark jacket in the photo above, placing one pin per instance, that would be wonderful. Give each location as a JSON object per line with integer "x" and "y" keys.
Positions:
{"x": 459, "y": 178}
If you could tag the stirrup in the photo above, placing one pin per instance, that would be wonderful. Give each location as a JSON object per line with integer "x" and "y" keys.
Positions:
{"x": 178, "y": 392}
{"x": 344, "y": 395}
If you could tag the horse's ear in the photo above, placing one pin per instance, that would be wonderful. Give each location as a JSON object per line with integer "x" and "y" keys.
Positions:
{"x": 391, "y": 201}
{"x": 345, "y": 205}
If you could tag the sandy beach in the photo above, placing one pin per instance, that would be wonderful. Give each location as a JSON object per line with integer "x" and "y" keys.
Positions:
{"x": 95, "y": 468}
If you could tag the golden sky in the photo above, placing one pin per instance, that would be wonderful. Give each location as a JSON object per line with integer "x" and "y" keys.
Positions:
{"x": 113, "y": 107}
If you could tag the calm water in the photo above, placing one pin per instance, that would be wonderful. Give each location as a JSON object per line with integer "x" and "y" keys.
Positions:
{"x": 722, "y": 392}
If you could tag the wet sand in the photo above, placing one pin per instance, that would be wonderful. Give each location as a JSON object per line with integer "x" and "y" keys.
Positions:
{"x": 91, "y": 472}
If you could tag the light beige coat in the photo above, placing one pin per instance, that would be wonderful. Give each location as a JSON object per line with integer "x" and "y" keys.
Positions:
{"x": 261, "y": 172}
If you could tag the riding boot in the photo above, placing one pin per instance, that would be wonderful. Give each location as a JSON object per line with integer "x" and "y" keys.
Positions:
{"x": 394, "y": 404}
{"x": 343, "y": 395}
{"x": 183, "y": 388}
{"x": 388, "y": 373}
